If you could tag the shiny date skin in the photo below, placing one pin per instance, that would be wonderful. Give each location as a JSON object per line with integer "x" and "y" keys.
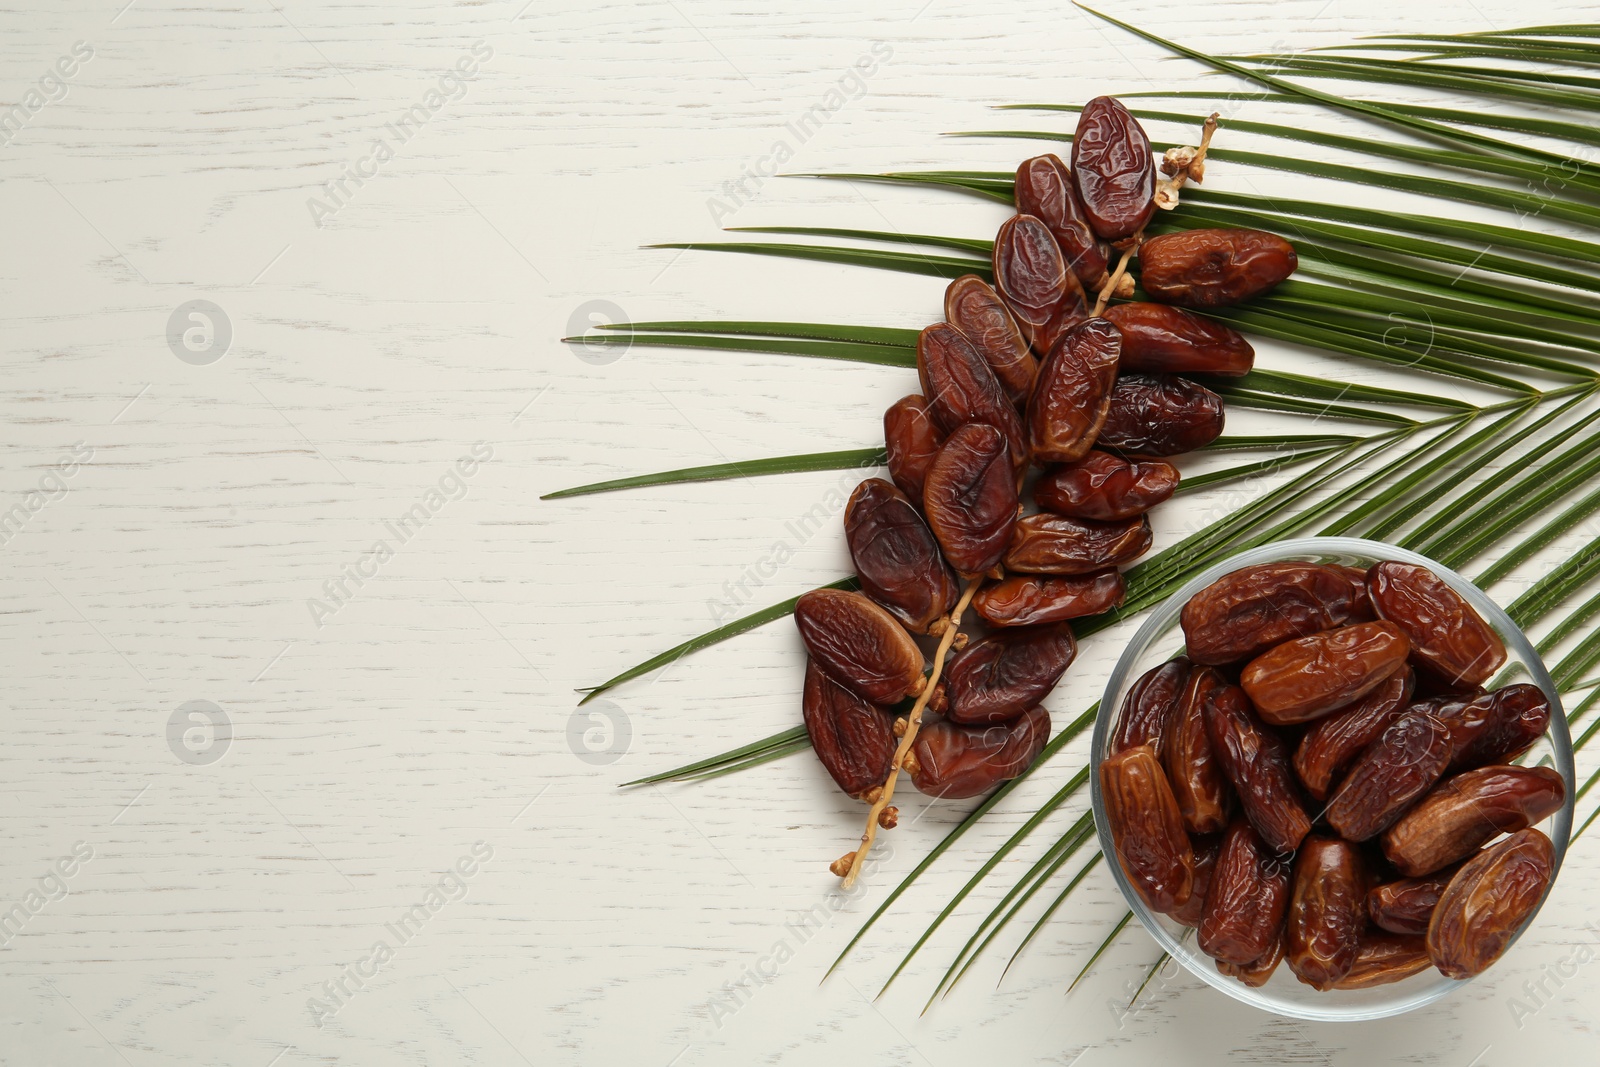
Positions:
{"x": 1105, "y": 487}
{"x": 1256, "y": 974}
{"x": 1113, "y": 169}
{"x": 853, "y": 739}
{"x": 1146, "y": 829}
{"x": 1327, "y": 911}
{"x": 1073, "y": 393}
{"x": 955, "y": 761}
{"x": 859, "y": 645}
{"x": 974, "y": 309}
{"x": 1332, "y": 742}
{"x": 1038, "y": 600}
{"x": 912, "y": 441}
{"x": 970, "y": 498}
{"x": 1310, "y": 677}
{"x": 1160, "y": 415}
{"x": 1044, "y": 189}
{"x": 896, "y": 556}
{"x": 1149, "y": 707}
{"x": 1405, "y": 906}
{"x": 1056, "y": 544}
{"x": 961, "y": 388}
{"x": 1197, "y": 780}
{"x": 1401, "y": 765}
{"x": 1384, "y": 958}
{"x": 1032, "y": 277}
{"x": 1205, "y": 849}
{"x": 1213, "y": 268}
{"x": 1520, "y": 715}
{"x": 1247, "y": 612}
{"x": 1464, "y": 811}
{"x": 1489, "y": 900}
{"x": 1447, "y": 636}
{"x": 1255, "y": 761}
{"x": 1246, "y": 900}
{"x": 1161, "y": 339}
{"x": 1005, "y": 674}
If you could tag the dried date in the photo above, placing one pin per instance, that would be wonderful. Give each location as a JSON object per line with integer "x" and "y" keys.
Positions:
{"x": 1401, "y": 765}
{"x": 1488, "y": 901}
{"x": 1113, "y": 169}
{"x": 1383, "y": 958}
{"x": 1519, "y": 717}
{"x": 978, "y": 313}
{"x": 1056, "y": 544}
{"x": 1106, "y": 487}
{"x": 1160, "y": 415}
{"x": 1005, "y": 674}
{"x": 1197, "y": 781}
{"x": 1036, "y": 601}
{"x": 1257, "y": 973}
{"x": 853, "y": 738}
{"x": 1256, "y": 762}
{"x": 1463, "y": 812}
{"x": 1447, "y": 636}
{"x": 1309, "y": 677}
{"x": 1327, "y": 911}
{"x": 1146, "y": 829}
{"x": 912, "y": 442}
{"x": 962, "y": 389}
{"x": 1205, "y": 862}
{"x": 1213, "y": 268}
{"x": 1149, "y": 707}
{"x": 1161, "y": 339}
{"x": 1073, "y": 392}
{"x": 1327, "y": 748}
{"x": 1045, "y": 190}
{"x": 955, "y": 761}
{"x": 859, "y": 645}
{"x": 1248, "y": 611}
{"x": 1032, "y": 277}
{"x": 1405, "y": 906}
{"x": 1246, "y": 900}
{"x": 971, "y": 498}
{"x": 896, "y": 556}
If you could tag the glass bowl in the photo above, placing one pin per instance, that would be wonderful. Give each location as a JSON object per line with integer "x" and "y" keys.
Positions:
{"x": 1161, "y": 638}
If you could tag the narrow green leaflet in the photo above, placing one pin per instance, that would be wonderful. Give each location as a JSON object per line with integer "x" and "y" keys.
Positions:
{"x": 859, "y": 458}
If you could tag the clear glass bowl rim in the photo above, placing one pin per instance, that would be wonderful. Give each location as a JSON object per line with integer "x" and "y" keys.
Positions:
{"x": 1162, "y": 618}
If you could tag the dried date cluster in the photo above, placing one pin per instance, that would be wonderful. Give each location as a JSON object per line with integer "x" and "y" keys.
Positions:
{"x": 1320, "y": 780}
{"x": 1032, "y": 375}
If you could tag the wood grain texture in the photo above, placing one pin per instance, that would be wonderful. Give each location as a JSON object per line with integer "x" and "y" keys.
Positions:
{"x": 374, "y": 745}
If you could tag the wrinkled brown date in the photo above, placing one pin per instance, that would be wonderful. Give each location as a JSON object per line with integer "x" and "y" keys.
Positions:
{"x": 1113, "y": 169}
{"x": 1327, "y": 748}
{"x": 1256, "y": 761}
{"x": 1243, "y": 614}
{"x": 1160, "y": 415}
{"x": 859, "y": 644}
{"x": 1146, "y": 828}
{"x": 1309, "y": 677}
{"x": 1032, "y": 277}
{"x": 1149, "y": 707}
{"x": 911, "y": 441}
{"x": 1487, "y": 902}
{"x": 1447, "y": 636}
{"x": 1005, "y": 674}
{"x": 1213, "y": 268}
{"x": 854, "y": 739}
{"x": 1404, "y": 907}
{"x": 971, "y": 498}
{"x": 1197, "y": 781}
{"x": 1382, "y": 958}
{"x": 1465, "y": 715}
{"x": 1327, "y": 911}
{"x": 1056, "y": 544}
{"x": 1520, "y": 715}
{"x": 1465, "y": 811}
{"x": 977, "y": 311}
{"x": 1035, "y": 601}
{"x": 955, "y": 761}
{"x": 961, "y": 388}
{"x": 1401, "y": 765}
{"x": 1044, "y": 189}
{"x": 1073, "y": 392}
{"x": 1161, "y": 339}
{"x": 1257, "y": 973}
{"x": 1205, "y": 862}
{"x": 1106, "y": 487}
{"x": 896, "y": 557}
{"x": 1246, "y": 900}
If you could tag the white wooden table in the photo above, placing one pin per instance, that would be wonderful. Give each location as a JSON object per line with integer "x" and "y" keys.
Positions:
{"x": 291, "y": 765}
